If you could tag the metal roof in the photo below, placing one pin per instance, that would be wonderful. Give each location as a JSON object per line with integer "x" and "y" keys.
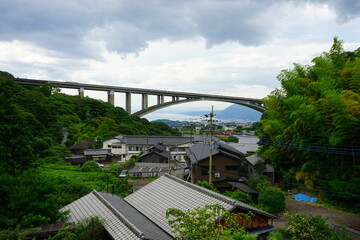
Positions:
{"x": 93, "y": 204}
{"x": 243, "y": 187}
{"x": 154, "y": 199}
{"x": 97, "y": 152}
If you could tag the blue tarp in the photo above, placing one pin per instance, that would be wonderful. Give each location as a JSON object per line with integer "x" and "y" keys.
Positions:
{"x": 304, "y": 198}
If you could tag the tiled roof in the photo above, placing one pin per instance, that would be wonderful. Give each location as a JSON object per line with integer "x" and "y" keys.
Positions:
{"x": 83, "y": 144}
{"x": 166, "y": 192}
{"x": 150, "y": 230}
{"x": 200, "y": 151}
{"x": 253, "y": 159}
{"x": 93, "y": 204}
{"x": 152, "y": 140}
{"x": 157, "y": 149}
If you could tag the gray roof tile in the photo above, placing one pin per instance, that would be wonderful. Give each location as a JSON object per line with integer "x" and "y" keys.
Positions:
{"x": 114, "y": 223}
{"x": 166, "y": 192}
{"x": 150, "y": 230}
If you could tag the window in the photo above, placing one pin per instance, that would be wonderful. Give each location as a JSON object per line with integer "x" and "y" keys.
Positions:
{"x": 231, "y": 168}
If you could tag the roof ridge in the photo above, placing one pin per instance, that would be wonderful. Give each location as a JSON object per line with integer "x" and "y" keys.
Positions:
{"x": 132, "y": 227}
{"x": 203, "y": 190}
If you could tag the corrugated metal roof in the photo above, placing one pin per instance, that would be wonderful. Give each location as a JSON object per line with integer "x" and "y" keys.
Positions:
{"x": 97, "y": 152}
{"x": 93, "y": 205}
{"x": 166, "y": 192}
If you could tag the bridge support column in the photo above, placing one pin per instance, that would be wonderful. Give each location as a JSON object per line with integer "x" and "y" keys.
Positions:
{"x": 160, "y": 99}
{"x": 175, "y": 98}
{"x": 111, "y": 97}
{"x": 144, "y": 101}
{"x": 128, "y": 102}
{"x": 81, "y": 92}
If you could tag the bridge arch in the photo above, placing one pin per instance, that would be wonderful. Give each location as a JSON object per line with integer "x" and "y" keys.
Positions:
{"x": 256, "y": 105}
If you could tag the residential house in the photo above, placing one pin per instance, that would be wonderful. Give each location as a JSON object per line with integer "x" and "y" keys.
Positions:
{"x": 227, "y": 163}
{"x": 79, "y": 147}
{"x": 126, "y": 146}
{"x": 268, "y": 168}
{"x": 98, "y": 155}
{"x": 141, "y": 215}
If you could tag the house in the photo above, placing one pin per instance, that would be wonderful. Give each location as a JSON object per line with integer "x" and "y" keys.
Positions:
{"x": 98, "y": 155}
{"x": 155, "y": 154}
{"x": 227, "y": 163}
{"x": 268, "y": 169}
{"x": 126, "y": 146}
{"x": 80, "y": 147}
{"x": 141, "y": 215}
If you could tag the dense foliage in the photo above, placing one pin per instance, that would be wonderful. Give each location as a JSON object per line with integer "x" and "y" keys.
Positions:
{"x": 201, "y": 223}
{"x": 307, "y": 228}
{"x": 271, "y": 200}
{"x": 311, "y": 129}
{"x": 37, "y": 125}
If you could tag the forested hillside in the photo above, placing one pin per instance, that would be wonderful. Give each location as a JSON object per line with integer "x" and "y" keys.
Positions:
{"x": 37, "y": 125}
{"x": 311, "y": 130}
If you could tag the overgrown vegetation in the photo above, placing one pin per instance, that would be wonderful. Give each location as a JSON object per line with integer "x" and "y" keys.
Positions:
{"x": 307, "y": 228}
{"x": 201, "y": 223}
{"x": 37, "y": 125}
{"x": 311, "y": 128}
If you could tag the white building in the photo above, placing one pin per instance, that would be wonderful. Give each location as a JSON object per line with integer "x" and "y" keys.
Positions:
{"x": 126, "y": 146}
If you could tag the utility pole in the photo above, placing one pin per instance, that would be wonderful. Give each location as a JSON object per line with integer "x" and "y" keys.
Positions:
{"x": 211, "y": 115}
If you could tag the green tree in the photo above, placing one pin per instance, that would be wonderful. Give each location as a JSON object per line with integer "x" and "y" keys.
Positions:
{"x": 312, "y": 123}
{"x": 271, "y": 200}
{"x": 201, "y": 223}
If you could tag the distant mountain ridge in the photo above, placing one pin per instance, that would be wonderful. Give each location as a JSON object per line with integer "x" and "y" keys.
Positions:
{"x": 239, "y": 112}
{"x": 233, "y": 112}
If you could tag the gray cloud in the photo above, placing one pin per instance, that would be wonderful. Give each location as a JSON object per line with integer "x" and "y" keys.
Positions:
{"x": 127, "y": 26}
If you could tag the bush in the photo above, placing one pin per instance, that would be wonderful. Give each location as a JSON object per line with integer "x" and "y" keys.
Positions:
{"x": 239, "y": 195}
{"x": 205, "y": 184}
{"x": 91, "y": 166}
{"x": 308, "y": 228}
{"x": 259, "y": 182}
{"x": 271, "y": 200}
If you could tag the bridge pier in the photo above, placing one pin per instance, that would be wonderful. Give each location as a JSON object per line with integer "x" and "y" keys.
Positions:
{"x": 160, "y": 99}
{"x": 81, "y": 92}
{"x": 175, "y": 98}
{"x": 144, "y": 102}
{"x": 128, "y": 102}
{"x": 111, "y": 97}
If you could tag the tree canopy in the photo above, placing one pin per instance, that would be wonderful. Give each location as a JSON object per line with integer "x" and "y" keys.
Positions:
{"x": 312, "y": 125}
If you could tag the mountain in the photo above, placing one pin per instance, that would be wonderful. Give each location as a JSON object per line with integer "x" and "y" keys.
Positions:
{"x": 239, "y": 112}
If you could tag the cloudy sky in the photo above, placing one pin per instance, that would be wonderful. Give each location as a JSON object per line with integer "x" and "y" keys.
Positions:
{"x": 229, "y": 47}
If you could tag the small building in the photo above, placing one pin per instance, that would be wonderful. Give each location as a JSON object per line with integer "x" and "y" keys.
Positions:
{"x": 98, "y": 155}
{"x": 79, "y": 147}
{"x": 155, "y": 154}
{"x": 142, "y": 214}
{"x": 268, "y": 169}
{"x": 126, "y": 146}
{"x": 227, "y": 163}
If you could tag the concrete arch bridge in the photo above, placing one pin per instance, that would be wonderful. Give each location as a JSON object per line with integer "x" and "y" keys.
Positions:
{"x": 175, "y": 96}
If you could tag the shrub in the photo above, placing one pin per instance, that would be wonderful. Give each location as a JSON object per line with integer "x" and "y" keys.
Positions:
{"x": 205, "y": 184}
{"x": 259, "y": 182}
{"x": 239, "y": 195}
{"x": 309, "y": 228}
{"x": 91, "y": 166}
{"x": 271, "y": 200}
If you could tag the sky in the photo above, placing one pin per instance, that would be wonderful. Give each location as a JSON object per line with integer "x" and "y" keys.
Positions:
{"x": 227, "y": 47}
